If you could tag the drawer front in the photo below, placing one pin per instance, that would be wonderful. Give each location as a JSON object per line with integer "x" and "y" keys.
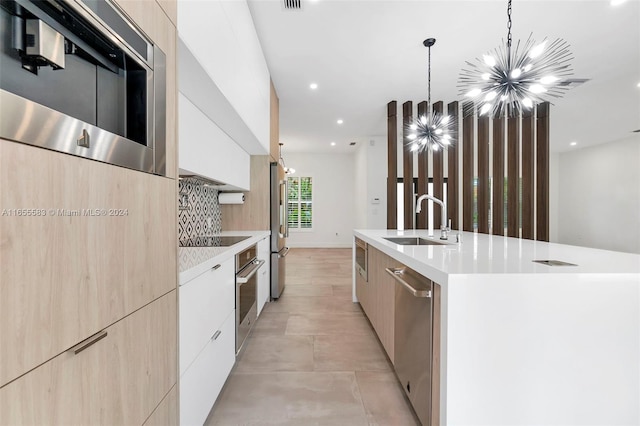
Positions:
{"x": 203, "y": 380}
{"x": 120, "y": 379}
{"x": 205, "y": 302}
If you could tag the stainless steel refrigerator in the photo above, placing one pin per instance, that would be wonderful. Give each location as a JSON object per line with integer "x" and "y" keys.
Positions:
{"x": 279, "y": 229}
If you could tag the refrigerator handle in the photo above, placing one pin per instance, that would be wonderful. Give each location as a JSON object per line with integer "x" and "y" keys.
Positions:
{"x": 283, "y": 253}
{"x": 284, "y": 210}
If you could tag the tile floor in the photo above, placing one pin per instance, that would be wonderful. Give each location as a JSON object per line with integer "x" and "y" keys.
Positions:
{"x": 312, "y": 358}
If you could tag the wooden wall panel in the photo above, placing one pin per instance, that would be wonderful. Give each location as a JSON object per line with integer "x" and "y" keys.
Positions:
{"x": 452, "y": 173}
{"x": 407, "y": 165}
{"x": 438, "y": 177}
{"x": 423, "y": 174}
{"x": 274, "y": 125}
{"x": 542, "y": 172}
{"x": 392, "y": 165}
{"x": 467, "y": 168}
{"x": 497, "y": 211}
{"x": 483, "y": 175}
{"x": 528, "y": 153}
{"x": 254, "y": 213}
{"x": 513, "y": 177}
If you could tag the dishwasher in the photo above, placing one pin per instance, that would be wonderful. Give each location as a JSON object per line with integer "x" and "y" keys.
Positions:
{"x": 414, "y": 339}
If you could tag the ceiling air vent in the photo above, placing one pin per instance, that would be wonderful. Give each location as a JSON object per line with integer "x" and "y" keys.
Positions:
{"x": 352, "y": 143}
{"x": 635, "y": 131}
{"x": 570, "y": 83}
{"x": 292, "y": 4}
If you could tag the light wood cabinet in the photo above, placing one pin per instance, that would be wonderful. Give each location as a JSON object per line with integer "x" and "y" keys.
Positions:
{"x": 274, "y": 128}
{"x": 72, "y": 271}
{"x": 254, "y": 213}
{"x": 377, "y": 297}
{"x": 118, "y": 380}
{"x": 66, "y": 275}
{"x": 166, "y": 413}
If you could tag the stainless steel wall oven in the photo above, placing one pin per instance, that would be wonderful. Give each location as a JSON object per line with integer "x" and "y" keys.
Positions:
{"x": 78, "y": 77}
{"x": 247, "y": 264}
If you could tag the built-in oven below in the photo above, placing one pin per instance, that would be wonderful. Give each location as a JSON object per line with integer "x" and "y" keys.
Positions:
{"x": 246, "y": 287}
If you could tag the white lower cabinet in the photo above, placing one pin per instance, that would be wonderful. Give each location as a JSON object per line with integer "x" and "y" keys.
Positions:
{"x": 207, "y": 339}
{"x": 205, "y": 303}
{"x": 264, "y": 277}
{"x": 203, "y": 380}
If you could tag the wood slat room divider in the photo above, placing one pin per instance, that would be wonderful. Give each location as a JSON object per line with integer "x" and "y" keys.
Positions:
{"x": 467, "y": 168}
{"x": 505, "y": 163}
{"x": 392, "y": 165}
{"x": 407, "y": 169}
{"x": 452, "y": 172}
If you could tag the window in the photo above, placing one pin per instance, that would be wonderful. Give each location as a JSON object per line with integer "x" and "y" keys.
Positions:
{"x": 300, "y": 199}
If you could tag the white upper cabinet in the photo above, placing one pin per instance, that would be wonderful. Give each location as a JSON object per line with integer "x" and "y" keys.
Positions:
{"x": 221, "y": 37}
{"x": 206, "y": 150}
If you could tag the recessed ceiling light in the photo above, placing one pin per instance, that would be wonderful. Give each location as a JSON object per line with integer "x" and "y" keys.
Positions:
{"x": 573, "y": 143}
{"x": 617, "y": 2}
{"x": 333, "y": 144}
{"x": 340, "y": 121}
{"x": 313, "y": 86}
{"x": 638, "y": 84}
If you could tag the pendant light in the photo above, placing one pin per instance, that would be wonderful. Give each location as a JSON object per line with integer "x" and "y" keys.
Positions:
{"x": 431, "y": 131}
{"x": 515, "y": 79}
{"x": 287, "y": 170}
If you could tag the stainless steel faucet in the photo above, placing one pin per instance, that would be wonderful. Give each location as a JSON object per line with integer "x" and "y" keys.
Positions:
{"x": 444, "y": 229}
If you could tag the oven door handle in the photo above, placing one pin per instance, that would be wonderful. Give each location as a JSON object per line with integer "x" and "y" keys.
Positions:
{"x": 247, "y": 273}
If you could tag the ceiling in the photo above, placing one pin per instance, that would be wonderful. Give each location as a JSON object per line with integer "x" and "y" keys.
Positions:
{"x": 365, "y": 53}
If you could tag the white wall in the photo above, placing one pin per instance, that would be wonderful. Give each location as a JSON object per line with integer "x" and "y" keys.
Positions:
{"x": 371, "y": 184}
{"x": 334, "y": 212}
{"x": 554, "y": 196}
{"x": 599, "y": 196}
{"x": 377, "y": 183}
{"x": 360, "y": 186}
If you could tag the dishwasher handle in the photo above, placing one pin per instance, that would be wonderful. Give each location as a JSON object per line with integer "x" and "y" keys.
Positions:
{"x": 247, "y": 273}
{"x": 399, "y": 275}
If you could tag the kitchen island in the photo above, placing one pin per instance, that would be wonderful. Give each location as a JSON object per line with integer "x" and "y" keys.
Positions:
{"x": 521, "y": 342}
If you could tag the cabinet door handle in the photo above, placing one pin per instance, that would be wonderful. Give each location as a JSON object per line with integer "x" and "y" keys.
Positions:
{"x": 88, "y": 342}
{"x": 216, "y": 267}
{"x": 216, "y": 335}
{"x": 398, "y": 275}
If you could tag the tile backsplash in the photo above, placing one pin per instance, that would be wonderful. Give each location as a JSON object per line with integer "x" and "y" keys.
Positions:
{"x": 199, "y": 211}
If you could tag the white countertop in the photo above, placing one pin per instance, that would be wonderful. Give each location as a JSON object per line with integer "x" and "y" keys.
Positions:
{"x": 192, "y": 261}
{"x": 488, "y": 254}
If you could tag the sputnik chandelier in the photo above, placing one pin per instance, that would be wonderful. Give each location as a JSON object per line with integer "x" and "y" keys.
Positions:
{"x": 516, "y": 79}
{"x": 431, "y": 131}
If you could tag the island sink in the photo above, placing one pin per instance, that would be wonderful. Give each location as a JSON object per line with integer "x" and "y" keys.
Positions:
{"x": 414, "y": 241}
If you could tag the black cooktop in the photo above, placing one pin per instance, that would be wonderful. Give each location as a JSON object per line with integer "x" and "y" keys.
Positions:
{"x": 211, "y": 241}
